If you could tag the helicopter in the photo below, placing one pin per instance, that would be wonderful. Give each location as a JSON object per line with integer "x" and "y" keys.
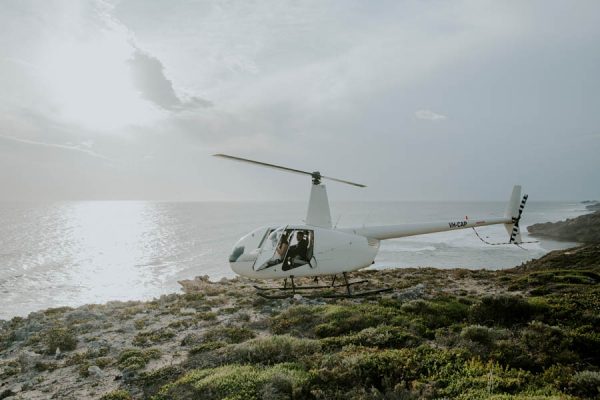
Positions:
{"x": 316, "y": 248}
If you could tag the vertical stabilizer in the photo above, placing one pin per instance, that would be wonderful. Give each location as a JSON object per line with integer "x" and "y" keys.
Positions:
{"x": 513, "y": 212}
{"x": 318, "y": 208}
{"x": 512, "y": 208}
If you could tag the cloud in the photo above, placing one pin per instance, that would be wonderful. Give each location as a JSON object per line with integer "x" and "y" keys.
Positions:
{"x": 84, "y": 147}
{"x": 149, "y": 79}
{"x": 429, "y": 115}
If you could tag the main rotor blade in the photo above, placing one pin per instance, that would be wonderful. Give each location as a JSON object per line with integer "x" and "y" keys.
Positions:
{"x": 296, "y": 171}
{"x": 343, "y": 181}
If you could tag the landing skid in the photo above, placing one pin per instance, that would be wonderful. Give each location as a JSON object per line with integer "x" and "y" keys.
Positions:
{"x": 298, "y": 288}
{"x": 318, "y": 291}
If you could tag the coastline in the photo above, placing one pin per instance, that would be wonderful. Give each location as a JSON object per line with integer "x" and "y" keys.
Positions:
{"x": 54, "y": 267}
{"x": 218, "y": 336}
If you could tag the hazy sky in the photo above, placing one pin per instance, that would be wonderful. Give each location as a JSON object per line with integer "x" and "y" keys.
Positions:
{"x": 416, "y": 99}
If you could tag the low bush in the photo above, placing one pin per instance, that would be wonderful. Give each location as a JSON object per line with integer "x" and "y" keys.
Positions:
{"x": 239, "y": 382}
{"x": 547, "y": 345}
{"x": 117, "y": 395}
{"x": 207, "y": 346}
{"x": 296, "y": 320}
{"x": 476, "y": 379}
{"x": 365, "y": 367}
{"x": 149, "y": 337}
{"x": 504, "y": 310}
{"x": 382, "y": 336}
{"x": 152, "y": 381}
{"x": 331, "y": 320}
{"x": 271, "y": 350}
{"x": 134, "y": 359}
{"x": 586, "y": 343}
{"x": 586, "y": 384}
{"x": 228, "y": 334}
{"x": 59, "y": 338}
{"x": 439, "y": 312}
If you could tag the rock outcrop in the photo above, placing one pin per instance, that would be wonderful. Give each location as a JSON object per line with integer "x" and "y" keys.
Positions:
{"x": 583, "y": 229}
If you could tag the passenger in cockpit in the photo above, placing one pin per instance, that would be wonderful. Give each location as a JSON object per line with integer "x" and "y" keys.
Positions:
{"x": 302, "y": 246}
{"x": 297, "y": 254}
{"x": 283, "y": 247}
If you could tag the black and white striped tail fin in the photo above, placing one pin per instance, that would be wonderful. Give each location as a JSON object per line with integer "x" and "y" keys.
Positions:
{"x": 514, "y": 210}
{"x": 515, "y": 233}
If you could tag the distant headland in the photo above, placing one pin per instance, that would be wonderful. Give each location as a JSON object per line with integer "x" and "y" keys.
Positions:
{"x": 583, "y": 229}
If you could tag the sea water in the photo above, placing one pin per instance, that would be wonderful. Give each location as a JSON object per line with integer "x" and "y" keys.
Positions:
{"x": 73, "y": 253}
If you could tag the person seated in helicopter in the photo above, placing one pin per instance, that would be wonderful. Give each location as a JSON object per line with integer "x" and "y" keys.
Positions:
{"x": 282, "y": 248}
{"x": 280, "y": 252}
{"x": 300, "y": 249}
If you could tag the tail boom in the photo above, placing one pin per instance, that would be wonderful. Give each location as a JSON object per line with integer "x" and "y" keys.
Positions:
{"x": 404, "y": 230}
{"x": 511, "y": 219}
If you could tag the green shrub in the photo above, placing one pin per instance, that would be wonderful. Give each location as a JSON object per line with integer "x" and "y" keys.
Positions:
{"x": 271, "y": 350}
{"x": 586, "y": 342}
{"x": 439, "y": 312}
{"x": 152, "y": 381}
{"x": 382, "y": 336}
{"x": 117, "y": 395}
{"x": 59, "y": 338}
{"x": 365, "y": 367}
{"x": 344, "y": 319}
{"x": 205, "y": 316}
{"x": 140, "y": 323}
{"x": 235, "y": 382}
{"x": 504, "y": 310}
{"x": 479, "y": 334}
{"x": 149, "y": 337}
{"x": 331, "y": 320}
{"x": 229, "y": 334}
{"x": 207, "y": 346}
{"x": 476, "y": 379}
{"x": 586, "y": 384}
{"x": 296, "y": 320}
{"x": 134, "y": 359}
{"x": 547, "y": 345}
{"x": 558, "y": 376}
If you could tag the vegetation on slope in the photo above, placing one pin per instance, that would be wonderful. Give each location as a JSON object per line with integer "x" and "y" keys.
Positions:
{"x": 532, "y": 332}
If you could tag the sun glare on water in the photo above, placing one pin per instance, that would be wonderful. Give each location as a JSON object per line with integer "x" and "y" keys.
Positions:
{"x": 111, "y": 244}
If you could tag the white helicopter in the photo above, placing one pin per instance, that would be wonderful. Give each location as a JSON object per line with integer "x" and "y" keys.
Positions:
{"x": 316, "y": 248}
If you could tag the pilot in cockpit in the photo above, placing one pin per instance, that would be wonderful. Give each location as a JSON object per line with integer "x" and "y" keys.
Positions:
{"x": 300, "y": 249}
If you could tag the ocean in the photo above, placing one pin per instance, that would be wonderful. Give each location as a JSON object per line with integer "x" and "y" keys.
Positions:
{"x": 73, "y": 253}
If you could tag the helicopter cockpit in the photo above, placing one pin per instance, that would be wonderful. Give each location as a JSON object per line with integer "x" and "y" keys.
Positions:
{"x": 286, "y": 246}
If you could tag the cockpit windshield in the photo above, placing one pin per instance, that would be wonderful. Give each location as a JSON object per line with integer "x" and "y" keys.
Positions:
{"x": 247, "y": 247}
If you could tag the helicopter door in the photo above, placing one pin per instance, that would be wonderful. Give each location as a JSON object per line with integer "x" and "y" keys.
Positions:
{"x": 269, "y": 256}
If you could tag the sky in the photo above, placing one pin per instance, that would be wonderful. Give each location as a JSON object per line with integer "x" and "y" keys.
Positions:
{"x": 418, "y": 100}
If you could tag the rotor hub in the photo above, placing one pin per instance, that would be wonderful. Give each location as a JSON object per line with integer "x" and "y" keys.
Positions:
{"x": 316, "y": 178}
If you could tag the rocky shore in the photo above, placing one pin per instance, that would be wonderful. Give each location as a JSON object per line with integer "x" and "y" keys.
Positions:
{"x": 583, "y": 229}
